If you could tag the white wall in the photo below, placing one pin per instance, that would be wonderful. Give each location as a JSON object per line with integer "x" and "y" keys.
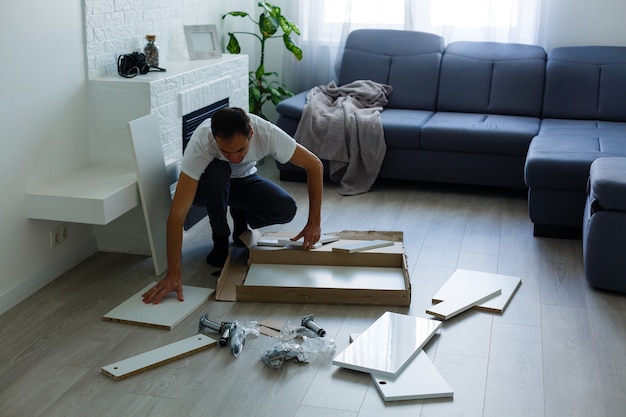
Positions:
{"x": 44, "y": 132}
{"x": 43, "y": 114}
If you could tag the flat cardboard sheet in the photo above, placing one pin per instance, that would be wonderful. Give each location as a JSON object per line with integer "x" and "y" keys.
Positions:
{"x": 156, "y": 357}
{"x": 165, "y": 315}
{"x": 462, "y": 278}
{"x": 387, "y": 346}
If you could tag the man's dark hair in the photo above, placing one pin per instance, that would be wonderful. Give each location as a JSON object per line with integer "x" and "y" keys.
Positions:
{"x": 229, "y": 121}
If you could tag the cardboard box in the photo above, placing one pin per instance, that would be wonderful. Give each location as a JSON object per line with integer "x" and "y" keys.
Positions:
{"x": 231, "y": 285}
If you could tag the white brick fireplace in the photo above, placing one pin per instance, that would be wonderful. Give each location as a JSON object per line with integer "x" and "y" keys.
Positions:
{"x": 185, "y": 87}
{"x": 114, "y": 101}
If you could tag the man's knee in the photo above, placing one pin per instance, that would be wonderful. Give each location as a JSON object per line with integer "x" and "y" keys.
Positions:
{"x": 289, "y": 210}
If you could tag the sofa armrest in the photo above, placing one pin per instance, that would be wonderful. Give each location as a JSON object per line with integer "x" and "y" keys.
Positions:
{"x": 292, "y": 107}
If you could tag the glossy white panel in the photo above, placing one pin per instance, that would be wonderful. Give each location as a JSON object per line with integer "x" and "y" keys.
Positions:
{"x": 325, "y": 276}
{"x": 362, "y": 246}
{"x": 323, "y": 239}
{"x": 387, "y": 345}
{"x": 464, "y": 298}
{"x": 154, "y": 186}
{"x": 462, "y": 278}
{"x": 419, "y": 380}
{"x": 165, "y": 315}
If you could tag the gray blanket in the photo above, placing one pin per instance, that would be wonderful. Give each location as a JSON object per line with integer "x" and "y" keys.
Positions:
{"x": 342, "y": 125}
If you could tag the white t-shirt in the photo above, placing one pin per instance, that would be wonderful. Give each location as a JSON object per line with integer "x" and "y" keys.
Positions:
{"x": 267, "y": 139}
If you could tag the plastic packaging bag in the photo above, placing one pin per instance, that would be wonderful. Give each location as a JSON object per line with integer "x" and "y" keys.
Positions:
{"x": 239, "y": 331}
{"x": 286, "y": 346}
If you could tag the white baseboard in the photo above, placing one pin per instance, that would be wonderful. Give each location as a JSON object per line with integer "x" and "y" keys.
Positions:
{"x": 47, "y": 274}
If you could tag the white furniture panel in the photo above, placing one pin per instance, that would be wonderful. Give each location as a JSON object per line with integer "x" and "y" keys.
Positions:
{"x": 419, "y": 380}
{"x": 165, "y": 315}
{"x": 387, "y": 346}
{"x": 462, "y": 278}
{"x": 156, "y": 357}
{"x": 362, "y": 246}
{"x": 508, "y": 283}
{"x": 154, "y": 186}
{"x": 325, "y": 276}
{"x": 464, "y": 298}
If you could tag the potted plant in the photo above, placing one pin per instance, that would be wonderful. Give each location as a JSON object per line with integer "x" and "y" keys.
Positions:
{"x": 262, "y": 88}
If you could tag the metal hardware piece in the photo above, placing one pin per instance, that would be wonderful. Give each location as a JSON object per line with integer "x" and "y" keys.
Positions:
{"x": 307, "y": 321}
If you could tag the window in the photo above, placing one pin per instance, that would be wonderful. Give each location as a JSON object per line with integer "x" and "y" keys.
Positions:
{"x": 474, "y": 13}
{"x": 364, "y": 12}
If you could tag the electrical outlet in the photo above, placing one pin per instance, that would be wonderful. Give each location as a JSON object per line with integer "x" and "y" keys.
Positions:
{"x": 59, "y": 234}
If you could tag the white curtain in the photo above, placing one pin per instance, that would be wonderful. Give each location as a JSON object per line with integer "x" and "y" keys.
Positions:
{"x": 325, "y": 24}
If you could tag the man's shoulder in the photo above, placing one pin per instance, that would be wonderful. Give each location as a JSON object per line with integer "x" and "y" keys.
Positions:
{"x": 256, "y": 121}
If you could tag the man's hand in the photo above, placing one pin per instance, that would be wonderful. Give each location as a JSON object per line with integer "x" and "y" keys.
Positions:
{"x": 169, "y": 284}
{"x": 310, "y": 235}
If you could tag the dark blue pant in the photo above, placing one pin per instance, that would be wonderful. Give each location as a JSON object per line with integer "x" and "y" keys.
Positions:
{"x": 261, "y": 201}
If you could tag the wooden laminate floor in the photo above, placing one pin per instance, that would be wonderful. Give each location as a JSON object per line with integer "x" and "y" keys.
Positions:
{"x": 558, "y": 350}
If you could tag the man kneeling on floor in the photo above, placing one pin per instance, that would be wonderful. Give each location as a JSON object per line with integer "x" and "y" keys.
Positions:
{"x": 219, "y": 170}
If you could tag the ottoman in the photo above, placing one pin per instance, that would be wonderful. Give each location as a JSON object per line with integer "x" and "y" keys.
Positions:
{"x": 604, "y": 225}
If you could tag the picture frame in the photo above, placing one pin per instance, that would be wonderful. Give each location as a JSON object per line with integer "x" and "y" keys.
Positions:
{"x": 202, "y": 41}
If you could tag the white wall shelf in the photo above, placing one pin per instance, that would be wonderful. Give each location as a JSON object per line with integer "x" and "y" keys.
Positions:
{"x": 91, "y": 194}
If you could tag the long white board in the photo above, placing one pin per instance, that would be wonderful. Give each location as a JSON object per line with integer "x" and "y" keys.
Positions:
{"x": 154, "y": 186}
{"x": 159, "y": 356}
{"x": 463, "y": 299}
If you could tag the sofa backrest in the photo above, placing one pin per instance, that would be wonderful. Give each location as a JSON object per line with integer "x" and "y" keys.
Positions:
{"x": 407, "y": 60}
{"x": 586, "y": 82}
{"x": 492, "y": 77}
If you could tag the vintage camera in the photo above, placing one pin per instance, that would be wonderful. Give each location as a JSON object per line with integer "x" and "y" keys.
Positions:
{"x": 130, "y": 65}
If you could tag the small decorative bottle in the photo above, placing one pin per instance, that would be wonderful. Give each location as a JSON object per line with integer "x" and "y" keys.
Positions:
{"x": 152, "y": 51}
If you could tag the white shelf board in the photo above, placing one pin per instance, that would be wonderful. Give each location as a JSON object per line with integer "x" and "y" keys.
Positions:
{"x": 388, "y": 345}
{"x": 156, "y": 357}
{"x": 325, "y": 276}
{"x": 165, "y": 315}
{"x": 91, "y": 194}
{"x": 462, "y": 279}
{"x": 419, "y": 380}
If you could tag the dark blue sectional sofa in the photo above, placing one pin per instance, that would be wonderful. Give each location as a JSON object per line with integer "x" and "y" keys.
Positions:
{"x": 494, "y": 114}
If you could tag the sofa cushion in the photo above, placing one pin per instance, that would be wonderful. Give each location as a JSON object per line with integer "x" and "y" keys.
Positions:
{"x": 479, "y": 133}
{"x": 607, "y": 183}
{"x": 562, "y": 162}
{"x": 491, "y": 77}
{"x": 402, "y": 128}
{"x": 407, "y": 60}
{"x": 586, "y": 82}
{"x": 582, "y": 127}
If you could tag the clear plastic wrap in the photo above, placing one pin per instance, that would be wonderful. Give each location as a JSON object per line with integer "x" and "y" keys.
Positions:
{"x": 294, "y": 342}
{"x": 238, "y": 334}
